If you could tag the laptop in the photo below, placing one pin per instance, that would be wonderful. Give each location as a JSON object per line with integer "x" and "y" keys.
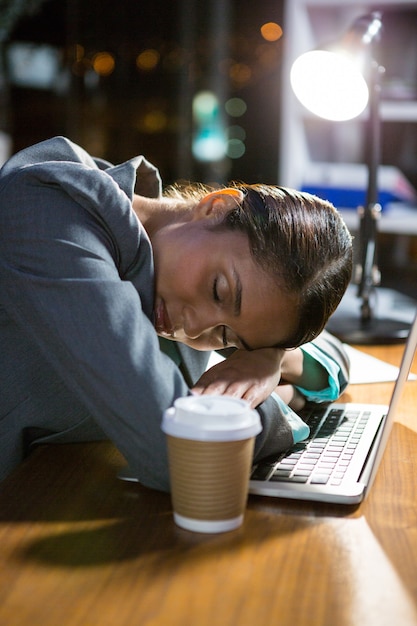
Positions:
{"x": 339, "y": 461}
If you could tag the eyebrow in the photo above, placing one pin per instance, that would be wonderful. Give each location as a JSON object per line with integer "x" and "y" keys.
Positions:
{"x": 238, "y": 305}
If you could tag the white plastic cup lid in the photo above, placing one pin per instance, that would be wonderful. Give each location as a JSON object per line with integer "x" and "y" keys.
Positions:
{"x": 211, "y": 418}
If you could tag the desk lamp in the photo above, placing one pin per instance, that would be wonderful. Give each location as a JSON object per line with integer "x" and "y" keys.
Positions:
{"x": 337, "y": 83}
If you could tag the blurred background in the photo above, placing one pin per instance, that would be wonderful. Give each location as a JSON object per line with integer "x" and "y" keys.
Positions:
{"x": 202, "y": 90}
{"x": 193, "y": 86}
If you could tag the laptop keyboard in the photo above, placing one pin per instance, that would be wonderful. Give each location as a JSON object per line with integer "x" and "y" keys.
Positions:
{"x": 323, "y": 458}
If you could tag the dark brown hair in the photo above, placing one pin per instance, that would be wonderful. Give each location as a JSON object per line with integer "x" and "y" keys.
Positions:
{"x": 303, "y": 241}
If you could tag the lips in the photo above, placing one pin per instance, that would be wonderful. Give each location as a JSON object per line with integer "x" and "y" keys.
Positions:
{"x": 163, "y": 325}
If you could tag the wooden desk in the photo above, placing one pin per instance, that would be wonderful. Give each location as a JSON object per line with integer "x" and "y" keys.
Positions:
{"x": 80, "y": 548}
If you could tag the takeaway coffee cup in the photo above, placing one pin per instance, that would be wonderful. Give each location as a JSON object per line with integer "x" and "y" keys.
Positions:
{"x": 210, "y": 449}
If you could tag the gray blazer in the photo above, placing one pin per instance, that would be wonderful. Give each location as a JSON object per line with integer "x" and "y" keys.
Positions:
{"x": 80, "y": 359}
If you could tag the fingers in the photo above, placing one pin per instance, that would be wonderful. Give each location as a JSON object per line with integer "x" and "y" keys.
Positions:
{"x": 221, "y": 387}
{"x": 253, "y": 394}
{"x": 251, "y": 377}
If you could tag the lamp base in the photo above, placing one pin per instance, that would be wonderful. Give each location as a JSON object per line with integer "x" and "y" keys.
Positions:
{"x": 369, "y": 332}
{"x": 347, "y": 324}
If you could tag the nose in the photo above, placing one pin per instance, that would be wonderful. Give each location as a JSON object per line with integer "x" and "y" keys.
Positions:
{"x": 196, "y": 324}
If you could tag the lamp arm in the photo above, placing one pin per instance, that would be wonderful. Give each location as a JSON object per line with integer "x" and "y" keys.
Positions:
{"x": 369, "y": 275}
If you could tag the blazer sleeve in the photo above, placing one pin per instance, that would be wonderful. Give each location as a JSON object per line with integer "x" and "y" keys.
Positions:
{"x": 76, "y": 274}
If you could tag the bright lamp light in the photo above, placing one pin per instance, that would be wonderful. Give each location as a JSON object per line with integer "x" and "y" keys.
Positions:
{"x": 330, "y": 84}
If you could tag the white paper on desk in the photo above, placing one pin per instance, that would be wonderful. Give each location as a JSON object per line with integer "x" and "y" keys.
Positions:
{"x": 368, "y": 369}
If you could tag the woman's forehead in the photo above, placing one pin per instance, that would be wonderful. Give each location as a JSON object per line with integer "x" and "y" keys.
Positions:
{"x": 268, "y": 312}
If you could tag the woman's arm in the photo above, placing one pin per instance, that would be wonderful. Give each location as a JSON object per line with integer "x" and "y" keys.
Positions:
{"x": 316, "y": 371}
{"x": 300, "y": 369}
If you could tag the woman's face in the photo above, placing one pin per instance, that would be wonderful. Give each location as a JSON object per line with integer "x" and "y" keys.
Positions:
{"x": 210, "y": 293}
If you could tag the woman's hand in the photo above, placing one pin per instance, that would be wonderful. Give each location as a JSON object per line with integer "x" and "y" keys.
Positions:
{"x": 291, "y": 396}
{"x": 252, "y": 376}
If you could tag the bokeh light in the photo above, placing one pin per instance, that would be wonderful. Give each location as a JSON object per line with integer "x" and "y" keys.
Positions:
{"x": 236, "y": 107}
{"x": 240, "y": 74}
{"x": 155, "y": 121}
{"x": 235, "y": 148}
{"x": 103, "y": 63}
{"x": 148, "y": 60}
{"x": 205, "y": 106}
{"x": 271, "y": 31}
{"x": 209, "y": 142}
{"x": 236, "y": 132}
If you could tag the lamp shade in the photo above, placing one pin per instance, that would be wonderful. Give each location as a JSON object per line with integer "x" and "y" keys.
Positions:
{"x": 330, "y": 84}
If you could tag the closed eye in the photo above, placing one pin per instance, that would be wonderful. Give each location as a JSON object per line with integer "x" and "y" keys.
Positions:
{"x": 216, "y": 296}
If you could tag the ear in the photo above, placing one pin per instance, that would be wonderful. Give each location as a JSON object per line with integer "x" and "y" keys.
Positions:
{"x": 217, "y": 203}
